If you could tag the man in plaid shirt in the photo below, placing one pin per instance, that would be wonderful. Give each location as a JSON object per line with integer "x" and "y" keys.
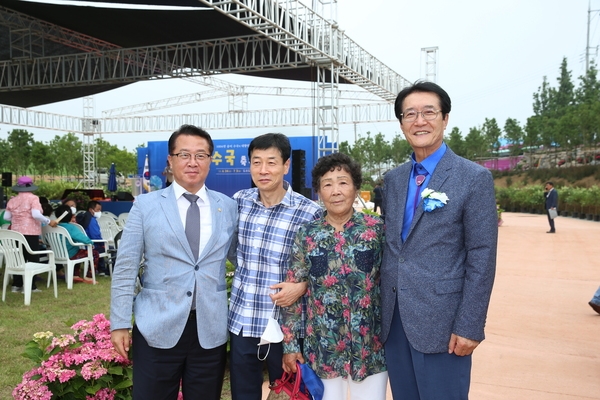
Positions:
{"x": 270, "y": 215}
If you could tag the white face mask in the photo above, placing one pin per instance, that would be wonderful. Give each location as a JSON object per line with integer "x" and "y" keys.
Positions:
{"x": 73, "y": 210}
{"x": 272, "y": 334}
{"x": 97, "y": 214}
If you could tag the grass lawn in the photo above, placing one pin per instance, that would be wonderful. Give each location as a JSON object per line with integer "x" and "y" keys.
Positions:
{"x": 18, "y": 323}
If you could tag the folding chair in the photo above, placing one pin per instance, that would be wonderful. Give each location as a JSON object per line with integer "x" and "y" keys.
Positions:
{"x": 12, "y": 245}
{"x": 57, "y": 238}
{"x": 105, "y": 254}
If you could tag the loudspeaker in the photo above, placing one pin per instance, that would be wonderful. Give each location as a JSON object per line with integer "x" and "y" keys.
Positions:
{"x": 307, "y": 192}
{"x": 298, "y": 170}
{"x": 124, "y": 196}
{"x": 7, "y": 179}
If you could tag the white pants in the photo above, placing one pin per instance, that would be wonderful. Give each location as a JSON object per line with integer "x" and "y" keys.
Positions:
{"x": 372, "y": 388}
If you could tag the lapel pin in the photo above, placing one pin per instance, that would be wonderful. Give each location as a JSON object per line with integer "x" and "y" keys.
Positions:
{"x": 218, "y": 209}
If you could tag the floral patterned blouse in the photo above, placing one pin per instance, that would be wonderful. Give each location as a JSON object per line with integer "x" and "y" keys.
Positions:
{"x": 343, "y": 320}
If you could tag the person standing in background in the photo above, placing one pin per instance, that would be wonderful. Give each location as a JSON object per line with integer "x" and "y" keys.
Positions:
{"x": 551, "y": 203}
{"x": 378, "y": 198}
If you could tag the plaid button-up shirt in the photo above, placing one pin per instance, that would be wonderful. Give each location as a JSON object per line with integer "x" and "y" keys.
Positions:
{"x": 265, "y": 240}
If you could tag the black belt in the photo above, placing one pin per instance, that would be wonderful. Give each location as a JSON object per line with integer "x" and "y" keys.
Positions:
{"x": 192, "y": 314}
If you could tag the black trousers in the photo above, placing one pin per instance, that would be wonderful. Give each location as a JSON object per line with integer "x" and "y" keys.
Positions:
{"x": 157, "y": 373}
{"x": 34, "y": 244}
{"x": 247, "y": 370}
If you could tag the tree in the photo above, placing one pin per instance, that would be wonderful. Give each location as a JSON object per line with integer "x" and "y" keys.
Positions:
{"x": 400, "y": 150}
{"x": 67, "y": 149}
{"x": 44, "y": 163}
{"x": 455, "y": 141}
{"x": 21, "y": 143}
{"x": 476, "y": 146}
{"x": 5, "y": 156}
{"x": 514, "y": 135}
{"x": 107, "y": 153}
{"x": 492, "y": 133}
{"x": 381, "y": 153}
{"x": 562, "y": 97}
{"x": 589, "y": 88}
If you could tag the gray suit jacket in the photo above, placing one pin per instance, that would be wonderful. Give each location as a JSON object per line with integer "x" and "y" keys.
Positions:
{"x": 154, "y": 230}
{"x": 442, "y": 276}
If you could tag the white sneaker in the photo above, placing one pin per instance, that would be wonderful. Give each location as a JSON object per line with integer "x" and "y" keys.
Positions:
{"x": 16, "y": 289}
{"x": 36, "y": 290}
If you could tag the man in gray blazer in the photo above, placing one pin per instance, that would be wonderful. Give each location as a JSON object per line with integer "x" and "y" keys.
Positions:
{"x": 180, "y": 329}
{"x": 440, "y": 255}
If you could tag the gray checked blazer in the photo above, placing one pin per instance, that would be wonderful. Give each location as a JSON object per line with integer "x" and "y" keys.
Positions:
{"x": 441, "y": 277}
{"x": 154, "y": 230}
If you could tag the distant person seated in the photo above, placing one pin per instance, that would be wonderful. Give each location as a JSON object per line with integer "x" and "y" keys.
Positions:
{"x": 75, "y": 252}
{"x": 89, "y": 222}
{"x": 47, "y": 209}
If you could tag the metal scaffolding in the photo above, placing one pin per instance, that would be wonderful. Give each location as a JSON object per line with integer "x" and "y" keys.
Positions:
{"x": 288, "y": 35}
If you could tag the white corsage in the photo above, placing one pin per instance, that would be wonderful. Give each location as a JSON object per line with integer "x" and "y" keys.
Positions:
{"x": 433, "y": 199}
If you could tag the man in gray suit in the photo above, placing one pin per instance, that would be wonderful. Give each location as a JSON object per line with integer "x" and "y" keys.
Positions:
{"x": 184, "y": 234}
{"x": 440, "y": 255}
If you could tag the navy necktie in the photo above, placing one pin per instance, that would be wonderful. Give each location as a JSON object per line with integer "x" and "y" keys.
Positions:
{"x": 419, "y": 180}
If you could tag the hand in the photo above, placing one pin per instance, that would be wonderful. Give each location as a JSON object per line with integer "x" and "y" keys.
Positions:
{"x": 53, "y": 223}
{"x": 120, "y": 340}
{"x": 289, "y": 293}
{"x": 289, "y": 362}
{"x": 461, "y": 346}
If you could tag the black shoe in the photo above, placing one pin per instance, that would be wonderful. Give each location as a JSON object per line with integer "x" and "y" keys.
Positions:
{"x": 551, "y": 231}
{"x": 595, "y": 307}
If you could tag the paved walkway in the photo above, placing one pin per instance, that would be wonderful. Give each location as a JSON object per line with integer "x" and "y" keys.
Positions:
{"x": 543, "y": 340}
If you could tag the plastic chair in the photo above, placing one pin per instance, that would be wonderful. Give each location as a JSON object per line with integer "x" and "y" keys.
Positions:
{"x": 109, "y": 214}
{"x": 108, "y": 229}
{"x": 122, "y": 219}
{"x": 12, "y": 245}
{"x": 105, "y": 254}
{"x": 57, "y": 238}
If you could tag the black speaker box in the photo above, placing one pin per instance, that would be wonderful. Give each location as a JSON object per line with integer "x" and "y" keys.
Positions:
{"x": 7, "y": 179}
{"x": 298, "y": 170}
{"x": 124, "y": 196}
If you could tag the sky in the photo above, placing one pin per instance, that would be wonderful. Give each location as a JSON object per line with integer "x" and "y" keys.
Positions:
{"x": 492, "y": 57}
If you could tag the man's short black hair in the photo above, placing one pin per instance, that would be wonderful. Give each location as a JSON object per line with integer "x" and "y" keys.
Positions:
{"x": 423, "y": 87}
{"x": 268, "y": 140}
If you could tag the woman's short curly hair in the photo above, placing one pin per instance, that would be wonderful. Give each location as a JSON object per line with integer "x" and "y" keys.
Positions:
{"x": 335, "y": 161}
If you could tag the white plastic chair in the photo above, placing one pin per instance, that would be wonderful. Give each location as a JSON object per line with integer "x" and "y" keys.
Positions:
{"x": 105, "y": 254}
{"x": 109, "y": 214}
{"x": 108, "y": 229}
{"x": 12, "y": 245}
{"x": 122, "y": 220}
{"x": 57, "y": 238}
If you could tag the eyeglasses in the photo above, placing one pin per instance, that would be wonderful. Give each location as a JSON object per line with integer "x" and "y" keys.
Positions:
{"x": 187, "y": 156}
{"x": 411, "y": 115}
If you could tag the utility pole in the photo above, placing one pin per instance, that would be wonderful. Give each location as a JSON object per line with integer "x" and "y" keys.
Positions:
{"x": 587, "y": 47}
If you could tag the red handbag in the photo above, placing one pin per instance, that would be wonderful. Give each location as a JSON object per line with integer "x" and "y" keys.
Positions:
{"x": 291, "y": 384}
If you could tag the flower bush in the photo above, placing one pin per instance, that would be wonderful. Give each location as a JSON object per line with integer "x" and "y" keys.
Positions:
{"x": 83, "y": 365}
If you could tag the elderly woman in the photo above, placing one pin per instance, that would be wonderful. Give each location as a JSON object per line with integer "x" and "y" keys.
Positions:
{"x": 24, "y": 212}
{"x": 339, "y": 257}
